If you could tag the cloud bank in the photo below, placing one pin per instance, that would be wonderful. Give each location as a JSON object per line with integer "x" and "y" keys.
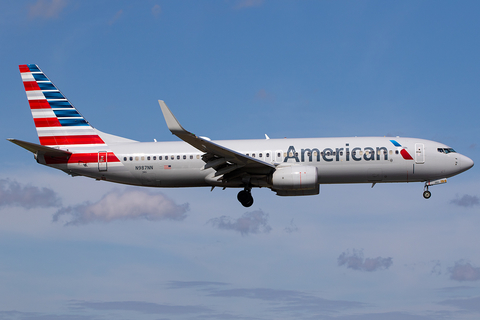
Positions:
{"x": 143, "y": 307}
{"x": 13, "y": 193}
{"x": 356, "y": 261}
{"x": 288, "y": 300}
{"x": 249, "y": 222}
{"x": 130, "y": 204}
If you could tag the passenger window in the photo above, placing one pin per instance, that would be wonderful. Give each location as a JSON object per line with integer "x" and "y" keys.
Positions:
{"x": 124, "y": 158}
{"x": 154, "y": 157}
{"x": 260, "y": 155}
{"x": 184, "y": 157}
{"x": 268, "y": 155}
{"x": 396, "y": 151}
{"x": 279, "y": 155}
{"x": 148, "y": 158}
{"x": 159, "y": 157}
{"x": 198, "y": 156}
{"x": 136, "y": 158}
{"x": 178, "y": 157}
{"x": 131, "y": 158}
{"x": 191, "y": 157}
{"x": 172, "y": 157}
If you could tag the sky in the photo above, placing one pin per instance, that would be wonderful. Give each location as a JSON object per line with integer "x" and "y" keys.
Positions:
{"x": 79, "y": 249}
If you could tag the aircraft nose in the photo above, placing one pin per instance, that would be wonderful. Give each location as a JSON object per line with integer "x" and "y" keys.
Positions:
{"x": 465, "y": 163}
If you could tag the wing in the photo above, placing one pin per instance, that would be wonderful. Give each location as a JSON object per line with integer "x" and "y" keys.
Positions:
{"x": 222, "y": 159}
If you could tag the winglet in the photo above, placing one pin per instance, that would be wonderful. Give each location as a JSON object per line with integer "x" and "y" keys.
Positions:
{"x": 172, "y": 122}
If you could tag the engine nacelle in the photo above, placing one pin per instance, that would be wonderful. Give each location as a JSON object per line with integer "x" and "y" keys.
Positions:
{"x": 295, "y": 178}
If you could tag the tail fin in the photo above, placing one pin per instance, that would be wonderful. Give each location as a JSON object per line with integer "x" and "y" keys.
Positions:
{"x": 58, "y": 123}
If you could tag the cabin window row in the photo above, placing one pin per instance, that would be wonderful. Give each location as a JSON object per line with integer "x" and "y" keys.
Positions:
{"x": 253, "y": 155}
{"x": 172, "y": 157}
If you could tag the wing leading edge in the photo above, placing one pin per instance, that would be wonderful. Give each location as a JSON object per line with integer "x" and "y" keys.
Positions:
{"x": 222, "y": 159}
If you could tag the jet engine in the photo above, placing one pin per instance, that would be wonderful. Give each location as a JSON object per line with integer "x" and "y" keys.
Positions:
{"x": 295, "y": 180}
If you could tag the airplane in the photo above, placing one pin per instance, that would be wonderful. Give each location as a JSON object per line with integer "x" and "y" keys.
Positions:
{"x": 289, "y": 167}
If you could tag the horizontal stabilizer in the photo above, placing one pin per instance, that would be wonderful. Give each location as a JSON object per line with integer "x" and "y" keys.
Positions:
{"x": 36, "y": 149}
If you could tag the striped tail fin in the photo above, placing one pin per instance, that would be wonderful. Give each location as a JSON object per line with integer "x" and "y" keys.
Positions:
{"x": 58, "y": 123}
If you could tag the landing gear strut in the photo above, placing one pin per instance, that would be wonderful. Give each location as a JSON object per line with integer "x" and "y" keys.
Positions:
{"x": 426, "y": 194}
{"x": 245, "y": 197}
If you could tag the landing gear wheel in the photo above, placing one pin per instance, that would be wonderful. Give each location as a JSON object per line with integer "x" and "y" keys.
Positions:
{"x": 427, "y": 194}
{"x": 245, "y": 198}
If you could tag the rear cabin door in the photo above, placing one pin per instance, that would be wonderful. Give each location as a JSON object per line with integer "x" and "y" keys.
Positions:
{"x": 102, "y": 161}
{"x": 419, "y": 153}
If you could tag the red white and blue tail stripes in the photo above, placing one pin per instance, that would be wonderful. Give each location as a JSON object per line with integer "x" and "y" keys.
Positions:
{"x": 58, "y": 123}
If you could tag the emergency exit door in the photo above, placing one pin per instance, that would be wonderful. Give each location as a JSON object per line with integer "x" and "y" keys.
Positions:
{"x": 102, "y": 161}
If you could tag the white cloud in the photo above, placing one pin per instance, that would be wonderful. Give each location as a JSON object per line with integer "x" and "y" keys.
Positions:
{"x": 356, "y": 261}
{"x": 263, "y": 95}
{"x": 156, "y": 10}
{"x": 249, "y": 222}
{"x": 248, "y": 4}
{"x": 47, "y": 9}
{"x": 131, "y": 204}
{"x": 13, "y": 193}
{"x": 116, "y": 17}
{"x": 464, "y": 271}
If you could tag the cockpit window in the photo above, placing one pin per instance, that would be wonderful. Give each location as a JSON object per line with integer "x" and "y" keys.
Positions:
{"x": 445, "y": 150}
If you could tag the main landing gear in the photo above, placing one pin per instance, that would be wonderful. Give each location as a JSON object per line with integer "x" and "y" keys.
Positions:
{"x": 245, "y": 197}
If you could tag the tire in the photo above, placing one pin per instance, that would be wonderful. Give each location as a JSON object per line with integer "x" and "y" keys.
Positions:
{"x": 245, "y": 198}
{"x": 427, "y": 194}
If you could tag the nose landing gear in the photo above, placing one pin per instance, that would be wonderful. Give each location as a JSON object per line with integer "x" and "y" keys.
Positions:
{"x": 245, "y": 197}
{"x": 427, "y": 194}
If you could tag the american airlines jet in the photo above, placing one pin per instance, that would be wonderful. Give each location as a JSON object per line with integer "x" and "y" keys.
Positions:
{"x": 289, "y": 167}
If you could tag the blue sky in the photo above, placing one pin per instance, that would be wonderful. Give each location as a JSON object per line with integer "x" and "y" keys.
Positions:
{"x": 232, "y": 70}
